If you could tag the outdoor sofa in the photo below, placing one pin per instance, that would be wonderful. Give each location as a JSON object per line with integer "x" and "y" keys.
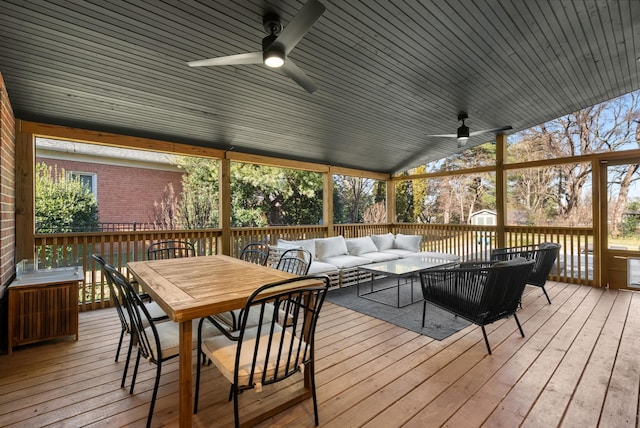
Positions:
{"x": 339, "y": 258}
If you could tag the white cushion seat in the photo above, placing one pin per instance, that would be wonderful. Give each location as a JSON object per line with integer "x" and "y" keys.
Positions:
{"x": 169, "y": 334}
{"x": 435, "y": 254}
{"x": 318, "y": 267}
{"x": 400, "y": 253}
{"x": 222, "y": 351}
{"x": 346, "y": 261}
{"x": 380, "y": 257}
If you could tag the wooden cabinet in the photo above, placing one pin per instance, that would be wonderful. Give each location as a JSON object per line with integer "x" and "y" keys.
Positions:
{"x": 43, "y": 305}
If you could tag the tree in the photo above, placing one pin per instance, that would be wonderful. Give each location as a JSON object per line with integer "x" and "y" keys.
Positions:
{"x": 198, "y": 205}
{"x": 63, "y": 203}
{"x": 264, "y": 195}
{"x": 357, "y": 194}
{"x": 609, "y": 126}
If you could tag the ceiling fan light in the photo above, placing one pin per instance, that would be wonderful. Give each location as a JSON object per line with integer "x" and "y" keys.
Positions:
{"x": 272, "y": 52}
{"x": 273, "y": 58}
{"x": 463, "y": 135}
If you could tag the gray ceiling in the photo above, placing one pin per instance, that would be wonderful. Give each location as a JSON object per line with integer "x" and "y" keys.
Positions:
{"x": 389, "y": 72}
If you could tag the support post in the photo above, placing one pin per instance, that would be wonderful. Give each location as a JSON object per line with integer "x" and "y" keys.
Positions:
{"x": 225, "y": 204}
{"x": 501, "y": 191}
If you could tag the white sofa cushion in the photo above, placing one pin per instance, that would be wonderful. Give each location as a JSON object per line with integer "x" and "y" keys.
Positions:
{"x": 359, "y": 246}
{"x": 346, "y": 261}
{"x": 446, "y": 256}
{"x": 407, "y": 242}
{"x": 383, "y": 242}
{"x": 400, "y": 253}
{"x": 321, "y": 267}
{"x": 330, "y": 247}
{"x": 379, "y": 256}
{"x": 305, "y": 244}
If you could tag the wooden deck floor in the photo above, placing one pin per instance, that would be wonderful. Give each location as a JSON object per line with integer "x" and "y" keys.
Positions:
{"x": 578, "y": 366}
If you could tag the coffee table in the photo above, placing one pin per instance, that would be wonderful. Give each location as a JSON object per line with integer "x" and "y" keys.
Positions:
{"x": 401, "y": 268}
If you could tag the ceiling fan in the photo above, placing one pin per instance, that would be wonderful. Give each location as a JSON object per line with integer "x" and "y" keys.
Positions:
{"x": 463, "y": 133}
{"x": 277, "y": 45}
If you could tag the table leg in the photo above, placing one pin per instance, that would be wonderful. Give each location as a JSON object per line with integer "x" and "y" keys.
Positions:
{"x": 186, "y": 401}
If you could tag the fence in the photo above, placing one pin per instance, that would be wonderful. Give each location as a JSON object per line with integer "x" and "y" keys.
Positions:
{"x": 575, "y": 263}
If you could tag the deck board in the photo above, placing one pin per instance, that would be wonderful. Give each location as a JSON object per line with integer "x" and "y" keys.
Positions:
{"x": 577, "y": 366}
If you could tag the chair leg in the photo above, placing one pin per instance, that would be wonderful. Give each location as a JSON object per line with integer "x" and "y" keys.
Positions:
{"x": 486, "y": 339}
{"x": 197, "y": 391}
{"x": 120, "y": 344}
{"x": 135, "y": 373}
{"x": 519, "y": 326}
{"x": 545, "y": 294}
{"x": 424, "y": 312}
{"x": 313, "y": 392}
{"x": 155, "y": 393}
{"x": 126, "y": 365}
{"x": 236, "y": 412}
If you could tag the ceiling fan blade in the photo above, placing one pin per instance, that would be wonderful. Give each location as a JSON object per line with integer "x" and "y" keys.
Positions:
{"x": 297, "y": 75}
{"x": 245, "y": 58}
{"x": 298, "y": 27}
{"x": 443, "y": 135}
{"x": 504, "y": 128}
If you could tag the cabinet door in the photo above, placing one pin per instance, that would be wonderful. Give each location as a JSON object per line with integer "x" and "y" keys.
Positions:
{"x": 40, "y": 313}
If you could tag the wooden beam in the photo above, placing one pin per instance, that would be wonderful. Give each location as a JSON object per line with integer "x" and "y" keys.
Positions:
{"x": 224, "y": 212}
{"x": 117, "y": 140}
{"x": 600, "y": 226}
{"x": 501, "y": 190}
{"x": 25, "y": 197}
{"x": 277, "y": 162}
{"x": 327, "y": 202}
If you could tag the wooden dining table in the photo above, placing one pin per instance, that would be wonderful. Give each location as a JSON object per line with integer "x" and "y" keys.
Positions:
{"x": 194, "y": 287}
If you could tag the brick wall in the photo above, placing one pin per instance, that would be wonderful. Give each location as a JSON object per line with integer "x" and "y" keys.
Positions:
{"x": 125, "y": 194}
{"x": 7, "y": 187}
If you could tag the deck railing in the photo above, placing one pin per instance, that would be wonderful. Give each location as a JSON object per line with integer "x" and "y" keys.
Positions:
{"x": 574, "y": 265}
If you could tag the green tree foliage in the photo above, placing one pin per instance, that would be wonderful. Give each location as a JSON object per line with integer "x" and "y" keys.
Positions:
{"x": 198, "y": 207}
{"x": 264, "y": 195}
{"x": 63, "y": 203}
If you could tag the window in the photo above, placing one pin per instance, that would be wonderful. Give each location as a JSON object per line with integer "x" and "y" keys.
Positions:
{"x": 88, "y": 180}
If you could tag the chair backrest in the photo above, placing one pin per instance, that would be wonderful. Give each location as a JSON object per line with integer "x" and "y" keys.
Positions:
{"x": 295, "y": 260}
{"x": 255, "y": 252}
{"x": 142, "y": 325}
{"x": 270, "y": 349}
{"x": 171, "y": 249}
{"x": 482, "y": 292}
{"x": 544, "y": 255}
{"x": 504, "y": 287}
{"x": 114, "y": 293}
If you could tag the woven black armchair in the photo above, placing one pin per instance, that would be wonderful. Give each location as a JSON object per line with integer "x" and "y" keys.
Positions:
{"x": 481, "y": 292}
{"x": 544, "y": 256}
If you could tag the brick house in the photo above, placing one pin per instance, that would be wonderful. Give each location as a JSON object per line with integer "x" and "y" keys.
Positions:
{"x": 126, "y": 182}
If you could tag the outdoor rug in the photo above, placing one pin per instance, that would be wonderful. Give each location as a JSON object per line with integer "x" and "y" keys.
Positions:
{"x": 439, "y": 324}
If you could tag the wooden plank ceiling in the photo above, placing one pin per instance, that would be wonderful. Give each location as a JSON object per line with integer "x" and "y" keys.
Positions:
{"x": 389, "y": 73}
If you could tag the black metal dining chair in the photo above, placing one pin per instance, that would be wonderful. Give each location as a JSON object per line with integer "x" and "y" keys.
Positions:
{"x": 266, "y": 352}
{"x": 170, "y": 249}
{"x": 255, "y": 252}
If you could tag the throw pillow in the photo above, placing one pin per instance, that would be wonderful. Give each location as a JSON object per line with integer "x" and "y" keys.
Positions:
{"x": 357, "y": 246}
{"x": 408, "y": 242}
{"x": 330, "y": 247}
{"x": 383, "y": 242}
{"x": 513, "y": 261}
